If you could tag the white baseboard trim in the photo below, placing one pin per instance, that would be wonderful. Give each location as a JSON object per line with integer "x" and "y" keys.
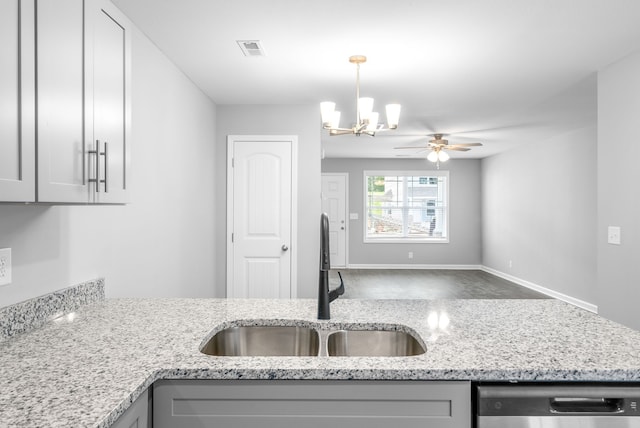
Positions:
{"x": 414, "y": 266}
{"x": 552, "y": 293}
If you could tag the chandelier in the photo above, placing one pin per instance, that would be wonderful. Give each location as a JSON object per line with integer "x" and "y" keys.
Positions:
{"x": 366, "y": 118}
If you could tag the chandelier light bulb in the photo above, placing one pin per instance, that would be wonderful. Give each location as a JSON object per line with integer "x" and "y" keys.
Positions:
{"x": 393, "y": 115}
{"x": 335, "y": 119}
{"x": 433, "y": 156}
{"x": 326, "y": 111}
{"x": 443, "y": 156}
{"x": 373, "y": 122}
{"x": 366, "y": 108}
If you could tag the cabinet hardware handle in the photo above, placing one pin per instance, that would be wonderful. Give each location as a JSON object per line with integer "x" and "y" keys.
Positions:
{"x": 97, "y": 179}
{"x": 106, "y": 167}
{"x": 284, "y": 247}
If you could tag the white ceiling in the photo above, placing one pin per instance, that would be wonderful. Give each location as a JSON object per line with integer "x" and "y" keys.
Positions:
{"x": 501, "y": 72}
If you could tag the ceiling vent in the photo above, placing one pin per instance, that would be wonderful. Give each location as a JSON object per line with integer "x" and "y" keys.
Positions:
{"x": 251, "y": 47}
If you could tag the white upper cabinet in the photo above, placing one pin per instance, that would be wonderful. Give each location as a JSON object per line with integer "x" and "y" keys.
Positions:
{"x": 109, "y": 109}
{"x": 17, "y": 98}
{"x": 82, "y": 100}
{"x": 62, "y": 157}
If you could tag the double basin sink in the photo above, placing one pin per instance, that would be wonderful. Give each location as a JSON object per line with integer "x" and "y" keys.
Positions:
{"x": 253, "y": 341}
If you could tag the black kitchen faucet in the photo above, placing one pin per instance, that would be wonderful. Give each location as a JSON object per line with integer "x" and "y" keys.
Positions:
{"x": 325, "y": 297}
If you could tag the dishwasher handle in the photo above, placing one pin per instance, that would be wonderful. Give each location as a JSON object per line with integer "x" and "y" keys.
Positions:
{"x": 603, "y": 405}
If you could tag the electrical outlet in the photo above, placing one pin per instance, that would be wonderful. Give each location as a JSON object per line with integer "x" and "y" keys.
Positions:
{"x": 410, "y": 254}
{"x": 5, "y": 266}
{"x": 613, "y": 235}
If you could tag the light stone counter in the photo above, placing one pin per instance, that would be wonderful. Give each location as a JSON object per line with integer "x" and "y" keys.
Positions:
{"x": 84, "y": 370}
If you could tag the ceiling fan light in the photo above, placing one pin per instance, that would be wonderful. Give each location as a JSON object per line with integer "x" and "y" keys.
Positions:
{"x": 443, "y": 156}
{"x": 373, "y": 122}
{"x": 366, "y": 108}
{"x": 327, "y": 109}
{"x": 433, "y": 156}
{"x": 393, "y": 115}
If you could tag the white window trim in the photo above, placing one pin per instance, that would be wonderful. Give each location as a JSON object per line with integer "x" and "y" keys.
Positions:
{"x": 426, "y": 173}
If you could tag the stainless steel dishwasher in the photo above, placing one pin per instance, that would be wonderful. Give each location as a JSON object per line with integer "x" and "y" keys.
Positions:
{"x": 557, "y": 406}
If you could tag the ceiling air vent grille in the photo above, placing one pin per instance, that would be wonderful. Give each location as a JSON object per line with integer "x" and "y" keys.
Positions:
{"x": 251, "y": 47}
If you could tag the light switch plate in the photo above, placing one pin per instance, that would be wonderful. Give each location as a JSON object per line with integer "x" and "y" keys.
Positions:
{"x": 613, "y": 235}
{"x": 5, "y": 266}
{"x": 353, "y": 216}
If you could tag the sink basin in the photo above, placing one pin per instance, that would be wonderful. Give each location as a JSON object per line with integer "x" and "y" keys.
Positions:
{"x": 254, "y": 341}
{"x": 373, "y": 343}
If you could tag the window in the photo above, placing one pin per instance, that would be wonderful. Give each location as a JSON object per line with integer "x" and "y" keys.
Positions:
{"x": 403, "y": 206}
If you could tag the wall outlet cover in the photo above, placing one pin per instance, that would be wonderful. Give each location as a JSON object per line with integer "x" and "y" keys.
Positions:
{"x": 5, "y": 266}
{"x": 614, "y": 235}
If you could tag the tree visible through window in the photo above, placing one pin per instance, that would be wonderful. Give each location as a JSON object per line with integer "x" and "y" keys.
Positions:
{"x": 406, "y": 205}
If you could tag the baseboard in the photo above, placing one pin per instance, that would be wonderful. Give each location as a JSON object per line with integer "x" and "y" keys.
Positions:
{"x": 552, "y": 293}
{"x": 413, "y": 266}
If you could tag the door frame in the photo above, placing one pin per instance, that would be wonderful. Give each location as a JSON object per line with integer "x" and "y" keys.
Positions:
{"x": 293, "y": 139}
{"x": 346, "y": 211}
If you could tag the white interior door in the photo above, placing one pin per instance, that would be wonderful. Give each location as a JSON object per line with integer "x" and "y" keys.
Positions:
{"x": 334, "y": 203}
{"x": 261, "y": 198}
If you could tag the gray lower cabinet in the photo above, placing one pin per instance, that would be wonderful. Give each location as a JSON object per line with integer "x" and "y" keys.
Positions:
{"x": 136, "y": 416}
{"x": 310, "y": 404}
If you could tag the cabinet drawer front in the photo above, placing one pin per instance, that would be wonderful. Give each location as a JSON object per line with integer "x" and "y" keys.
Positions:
{"x": 311, "y": 403}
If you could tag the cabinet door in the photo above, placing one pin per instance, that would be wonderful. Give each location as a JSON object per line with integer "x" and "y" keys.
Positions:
{"x": 61, "y": 159}
{"x": 135, "y": 416}
{"x": 17, "y": 85}
{"x": 110, "y": 74}
{"x": 293, "y": 404}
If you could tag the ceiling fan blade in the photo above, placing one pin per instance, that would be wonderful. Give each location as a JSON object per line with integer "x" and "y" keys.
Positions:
{"x": 412, "y": 147}
{"x": 457, "y": 149}
{"x": 467, "y": 144}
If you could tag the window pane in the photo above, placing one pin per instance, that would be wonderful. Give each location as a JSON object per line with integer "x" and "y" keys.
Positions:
{"x": 385, "y": 222}
{"x": 409, "y": 206}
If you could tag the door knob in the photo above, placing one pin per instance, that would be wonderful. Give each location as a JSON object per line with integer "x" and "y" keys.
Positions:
{"x": 284, "y": 247}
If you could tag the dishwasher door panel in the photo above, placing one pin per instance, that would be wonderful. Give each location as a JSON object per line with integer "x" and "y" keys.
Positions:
{"x": 558, "y": 422}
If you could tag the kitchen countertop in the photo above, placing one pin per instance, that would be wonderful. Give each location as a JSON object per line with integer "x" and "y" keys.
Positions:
{"x": 84, "y": 369}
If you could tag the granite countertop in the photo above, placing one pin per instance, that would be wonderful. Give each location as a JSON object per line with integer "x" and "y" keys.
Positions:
{"x": 85, "y": 368}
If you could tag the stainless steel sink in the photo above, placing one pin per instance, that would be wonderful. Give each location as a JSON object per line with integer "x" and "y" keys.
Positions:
{"x": 373, "y": 343}
{"x": 253, "y": 341}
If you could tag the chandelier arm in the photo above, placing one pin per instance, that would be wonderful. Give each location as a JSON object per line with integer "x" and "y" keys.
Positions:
{"x": 340, "y": 131}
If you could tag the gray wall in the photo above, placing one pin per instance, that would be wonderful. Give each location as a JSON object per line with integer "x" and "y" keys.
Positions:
{"x": 300, "y": 120}
{"x": 618, "y": 195}
{"x": 159, "y": 245}
{"x": 464, "y": 247}
{"x": 539, "y": 211}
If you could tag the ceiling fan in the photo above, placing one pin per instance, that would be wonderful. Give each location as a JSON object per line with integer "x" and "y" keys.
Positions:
{"x": 438, "y": 146}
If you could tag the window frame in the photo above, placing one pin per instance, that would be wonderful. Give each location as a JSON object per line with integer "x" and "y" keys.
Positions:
{"x": 406, "y": 239}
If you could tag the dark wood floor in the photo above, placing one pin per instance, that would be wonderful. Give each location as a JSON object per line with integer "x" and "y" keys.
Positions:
{"x": 428, "y": 284}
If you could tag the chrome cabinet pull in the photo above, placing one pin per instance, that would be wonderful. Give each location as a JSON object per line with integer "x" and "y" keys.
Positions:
{"x": 99, "y": 180}
{"x": 97, "y": 153}
{"x": 106, "y": 167}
